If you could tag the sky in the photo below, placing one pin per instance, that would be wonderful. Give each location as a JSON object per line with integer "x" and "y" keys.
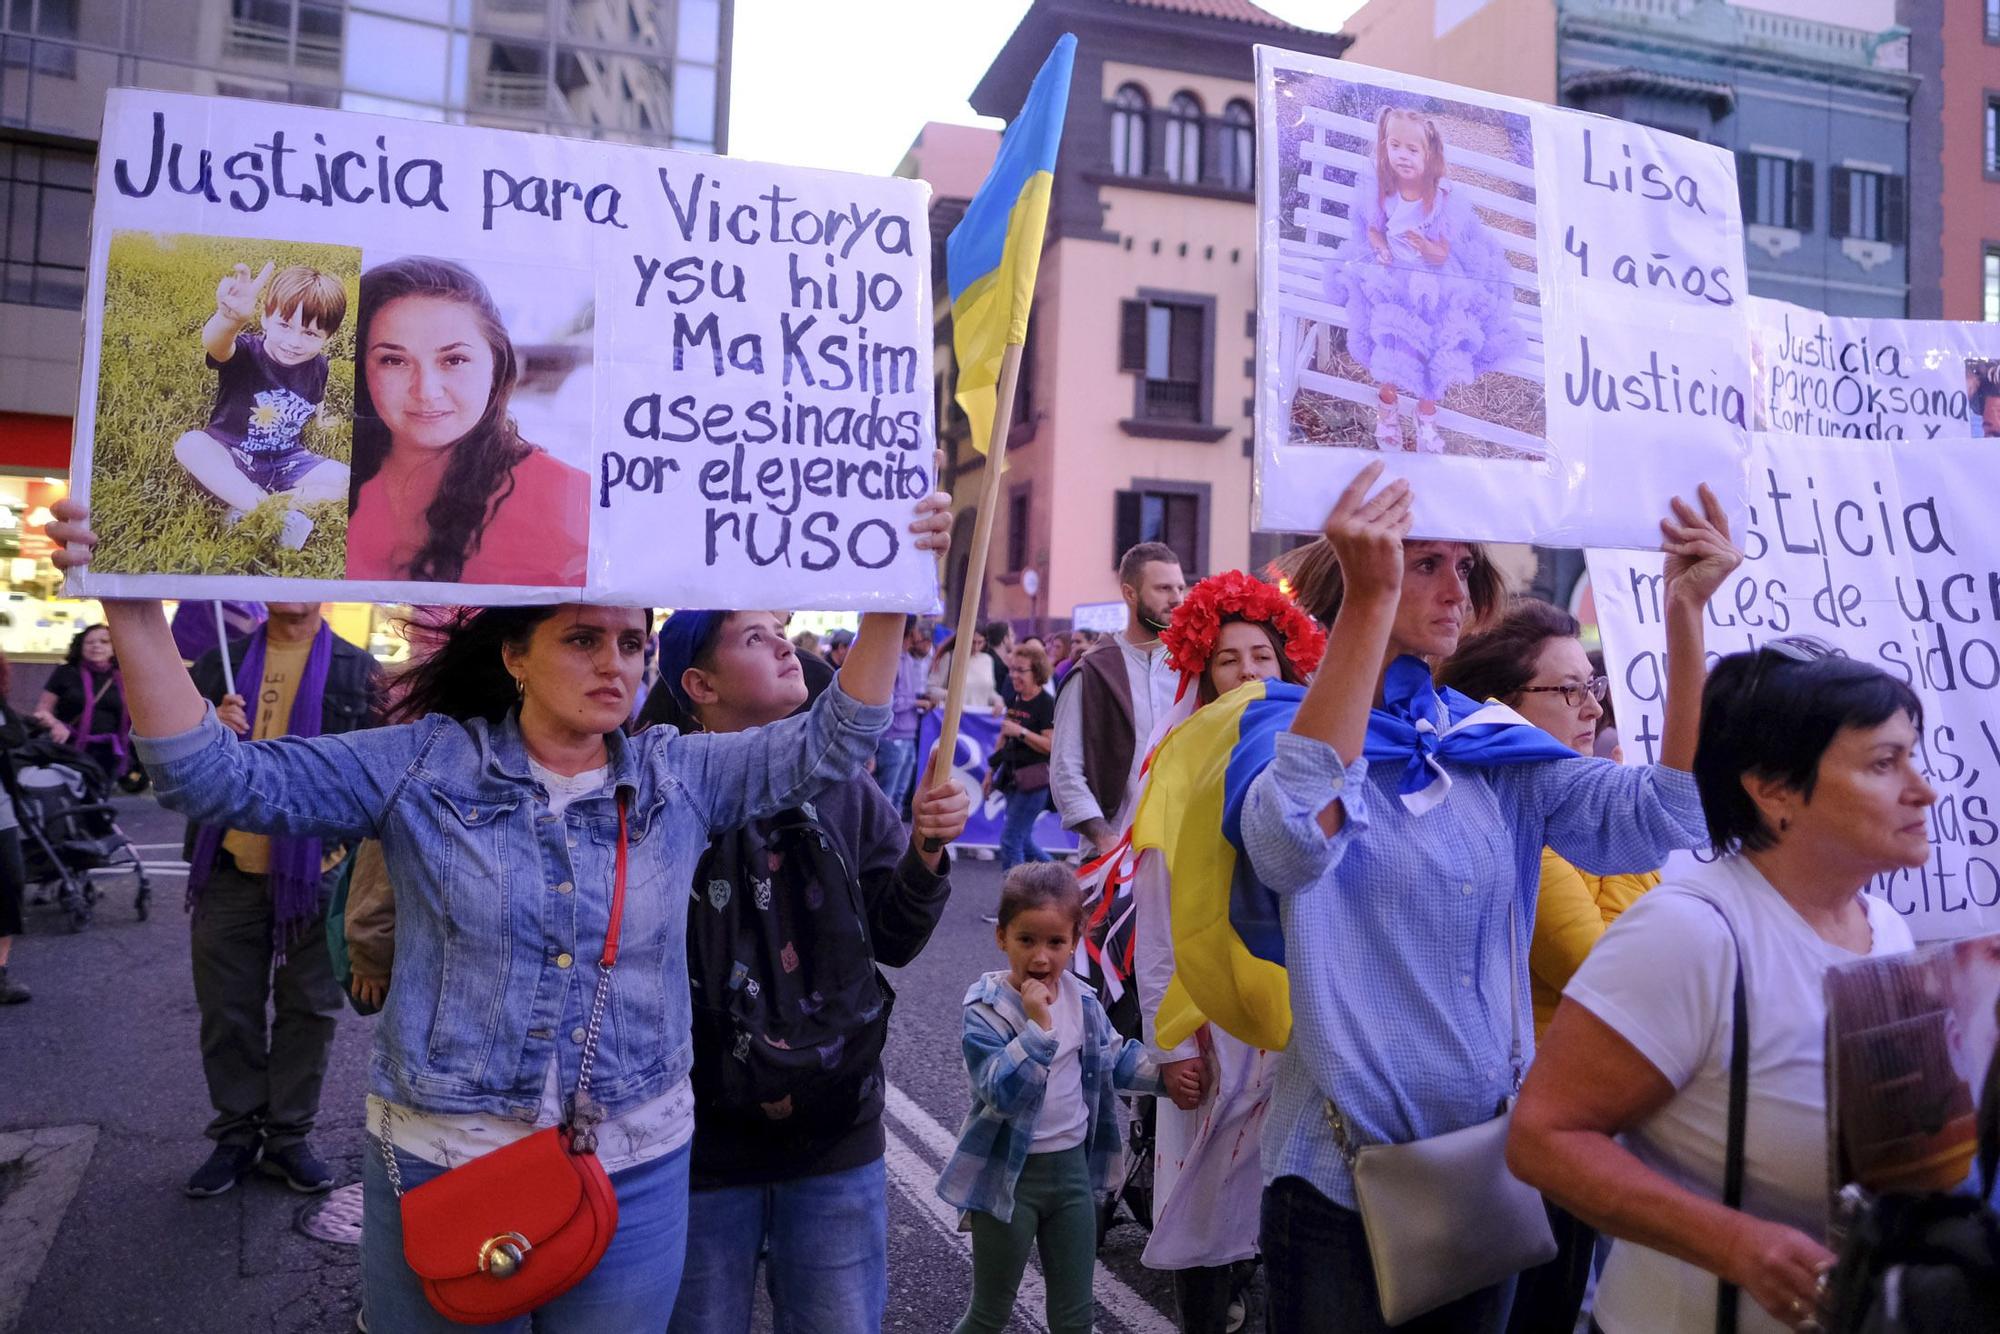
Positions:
{"x": 846, "y": 84}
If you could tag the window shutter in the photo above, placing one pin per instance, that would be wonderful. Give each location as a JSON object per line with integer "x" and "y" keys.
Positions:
{"x": 1124, "y": 524}
{"x": 1746, "y": 184}
{"x": 1184, "y": 350}
{"x": 1802, "y": 195}
{"x": 1132, "y": 336}
{"x": 1839, "y": 202}
{"x": 1895, "y": 210}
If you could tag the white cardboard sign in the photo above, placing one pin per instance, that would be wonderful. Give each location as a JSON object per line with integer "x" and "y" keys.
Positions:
{"x": 558, "y": 369}
{"x": 1554, "y": 302}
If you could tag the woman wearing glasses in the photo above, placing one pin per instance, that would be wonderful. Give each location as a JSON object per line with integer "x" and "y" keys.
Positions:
{"x": 1811, "y": 786}
{"x": 1532, "y": 661}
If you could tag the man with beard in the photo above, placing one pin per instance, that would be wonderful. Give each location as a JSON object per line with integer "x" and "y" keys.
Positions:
{"x": 1109, "y": 701}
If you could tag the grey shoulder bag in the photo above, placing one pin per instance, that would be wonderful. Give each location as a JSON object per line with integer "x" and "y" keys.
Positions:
{"x": 1444, "y": 1217}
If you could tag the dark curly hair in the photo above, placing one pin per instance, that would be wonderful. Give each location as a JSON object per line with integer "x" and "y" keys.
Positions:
{"x": 74, "y": 657}
{"x": 482, "y": 461}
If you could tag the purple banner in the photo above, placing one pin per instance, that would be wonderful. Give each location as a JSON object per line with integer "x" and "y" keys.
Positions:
{"x": 978, "y": 738}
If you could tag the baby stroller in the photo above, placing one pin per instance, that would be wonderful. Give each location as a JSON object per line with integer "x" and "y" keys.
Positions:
{"x": 68, "y": 826}
{"x": 1105, "y": 964}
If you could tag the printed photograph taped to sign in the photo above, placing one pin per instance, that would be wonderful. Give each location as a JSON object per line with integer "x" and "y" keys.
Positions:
{"x": 1888, "y": 554}
{"x": 1872, "y": 379}
{"x": 562, "y": 370}
{"x": 1533, "y": 314}
{"x": 1982, "y": 396}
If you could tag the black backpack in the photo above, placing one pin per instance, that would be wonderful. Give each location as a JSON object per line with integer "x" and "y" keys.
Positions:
{"x": 1923, "y": 1264}
{"x": 788, "y": 1036}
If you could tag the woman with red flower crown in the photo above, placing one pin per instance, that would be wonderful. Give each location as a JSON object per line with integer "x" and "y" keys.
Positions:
{"x": 1232, "y": 630}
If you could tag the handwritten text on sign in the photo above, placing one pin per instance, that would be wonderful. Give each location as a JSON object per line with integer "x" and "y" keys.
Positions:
{"x": 759, "y": 353}
{"x": 1887, "y": 556}
{"x": 1819, "y": 374}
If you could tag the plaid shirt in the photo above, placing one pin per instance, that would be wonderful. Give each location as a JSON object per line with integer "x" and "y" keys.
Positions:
{"x": 1008, "y": 1057}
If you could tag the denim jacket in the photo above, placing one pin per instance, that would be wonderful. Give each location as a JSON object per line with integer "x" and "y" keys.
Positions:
{"x": 501, "y": 906}
{"x": 1008, "y": 1056}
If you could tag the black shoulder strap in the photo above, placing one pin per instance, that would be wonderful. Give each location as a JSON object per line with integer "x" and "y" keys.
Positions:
{"x": 1726, "y": 1294}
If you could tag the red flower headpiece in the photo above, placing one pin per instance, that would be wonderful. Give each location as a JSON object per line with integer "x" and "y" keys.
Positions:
{"x": 1197, "y": 622}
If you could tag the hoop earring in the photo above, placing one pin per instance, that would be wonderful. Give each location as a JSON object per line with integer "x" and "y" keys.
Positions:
{"x": 520, "y": 688}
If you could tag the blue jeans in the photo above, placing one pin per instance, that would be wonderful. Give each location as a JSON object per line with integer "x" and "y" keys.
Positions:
{"x": 827, "y": 1269}
{"x": 895, "y": 764}
{"x": 1321, "y": 1280}
{"x": 631, "y": 1285}
{"x": 1017, "y": 835}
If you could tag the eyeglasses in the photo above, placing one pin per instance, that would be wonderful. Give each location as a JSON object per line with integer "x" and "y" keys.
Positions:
{"x": 1793, "y": 648}
{"x": 1597, "y": 687}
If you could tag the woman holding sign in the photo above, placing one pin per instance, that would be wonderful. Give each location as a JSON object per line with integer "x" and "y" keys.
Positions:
{"x": 445, "y": 488}
{"x": 527, "y": 838}
{"x": 1401, "y": 829}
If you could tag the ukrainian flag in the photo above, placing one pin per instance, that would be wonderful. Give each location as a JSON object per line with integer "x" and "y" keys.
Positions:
{"x": 1228, "y": 949}
{"x": 992, "y": 255}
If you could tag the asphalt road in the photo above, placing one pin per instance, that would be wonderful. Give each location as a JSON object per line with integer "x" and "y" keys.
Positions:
{"x": 100, "y": 1083}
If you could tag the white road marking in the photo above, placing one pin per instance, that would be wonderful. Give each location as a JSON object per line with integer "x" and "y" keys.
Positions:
{"x": 917, "y": 1180}
{"x": 1132, "y": 1311}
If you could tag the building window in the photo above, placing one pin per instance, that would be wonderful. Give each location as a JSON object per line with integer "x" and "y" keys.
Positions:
{"x": 1183, "y": 137}
{"x": 44, "y": 225}
{"x": 1867, "y": 205}
{"x": 1239, "y": 140}
{"x": 1991, "y": 157}
{"x": 1165, "y": 343}
{"x": 1129, "y": 109}
{"x": 1989, "y": 278}
{"x": 1777, "y": 191}
{"x": 1017, "y": 530}
{"x": 1993, "y": 20}
{"x": 1154, "y": 513}
{"x": 40, "y": 19}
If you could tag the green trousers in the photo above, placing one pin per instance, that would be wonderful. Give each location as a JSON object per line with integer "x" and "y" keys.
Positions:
{"x": 1053, "y": 1206}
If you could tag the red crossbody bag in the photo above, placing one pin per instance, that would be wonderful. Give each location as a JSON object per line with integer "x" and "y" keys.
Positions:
{"x": 516, "y": 1228}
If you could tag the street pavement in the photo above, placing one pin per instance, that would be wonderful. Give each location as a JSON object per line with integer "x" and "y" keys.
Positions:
{"x": 102, "y": 1107}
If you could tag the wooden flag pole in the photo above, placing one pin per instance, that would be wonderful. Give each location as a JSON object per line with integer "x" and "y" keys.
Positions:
{"x": 975, "y": 575}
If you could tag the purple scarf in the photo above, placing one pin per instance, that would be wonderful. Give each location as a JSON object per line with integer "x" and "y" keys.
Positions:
{"x": 97, "y": 680}
{"x": 295, "y": 862}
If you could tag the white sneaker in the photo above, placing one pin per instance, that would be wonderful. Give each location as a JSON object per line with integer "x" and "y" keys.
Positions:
{"x": 296, "y": 529}
{"x": 1428, "y": 439}
{"x": 1388, "y": 429}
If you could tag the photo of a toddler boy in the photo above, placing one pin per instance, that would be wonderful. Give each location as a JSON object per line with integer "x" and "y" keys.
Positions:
{"x": 270, "y": 383}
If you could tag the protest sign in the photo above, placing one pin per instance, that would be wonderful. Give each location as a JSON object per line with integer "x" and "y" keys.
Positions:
{"x": 978, "y": 738}
{"x": 331, "y": 355}
{"x": 1104, "y": 617}
{"x": 1886, "y": 553}
{"x": 1909, "y": 1039}
{"x": 1534, "y": 314}
{"x": 1819, "y": 374}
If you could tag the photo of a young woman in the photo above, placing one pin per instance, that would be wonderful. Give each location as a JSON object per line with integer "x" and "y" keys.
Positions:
{"x": 445, "y": 487}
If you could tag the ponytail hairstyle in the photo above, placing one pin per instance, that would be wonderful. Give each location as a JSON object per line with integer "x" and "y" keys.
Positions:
{"x": 479, "y": 472}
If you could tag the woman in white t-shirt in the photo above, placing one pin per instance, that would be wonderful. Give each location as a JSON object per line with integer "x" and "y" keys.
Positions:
{"x": 1809, "y": 776}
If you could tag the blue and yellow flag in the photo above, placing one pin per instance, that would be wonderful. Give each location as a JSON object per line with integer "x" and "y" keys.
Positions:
{"x": 991, "y": 257}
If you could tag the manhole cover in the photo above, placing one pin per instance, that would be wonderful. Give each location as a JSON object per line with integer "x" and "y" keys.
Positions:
{"x": 335, "y": 1217}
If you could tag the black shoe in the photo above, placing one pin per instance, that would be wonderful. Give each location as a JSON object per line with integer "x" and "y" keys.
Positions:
{"x": 229, "y": 1164}
{"x": 11, "y": 992}
{"x": 298, "y": 1167}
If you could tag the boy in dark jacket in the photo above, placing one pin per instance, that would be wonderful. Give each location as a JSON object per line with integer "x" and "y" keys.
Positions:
{"x": 786, "y": 924}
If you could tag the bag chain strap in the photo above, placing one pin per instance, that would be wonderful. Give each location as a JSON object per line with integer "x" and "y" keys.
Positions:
{"x": 585, "y": 1113}
{"x": 1343, "y": 1133}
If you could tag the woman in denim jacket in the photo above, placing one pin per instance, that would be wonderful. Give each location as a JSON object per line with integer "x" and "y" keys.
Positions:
{"x": 497, "y": 810}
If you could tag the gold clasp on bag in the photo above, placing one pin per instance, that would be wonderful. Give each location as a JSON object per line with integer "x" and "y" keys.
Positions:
{"x": 501, "y": 1256}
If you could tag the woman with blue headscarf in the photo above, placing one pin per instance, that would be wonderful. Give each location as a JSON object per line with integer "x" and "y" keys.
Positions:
{"x": 1401, "y": 828}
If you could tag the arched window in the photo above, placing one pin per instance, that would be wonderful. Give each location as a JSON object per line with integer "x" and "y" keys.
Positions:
{"x": 1129, "y": 109}
{"x": 1239, "y": 139}
{"x": 1184, "y": 139}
